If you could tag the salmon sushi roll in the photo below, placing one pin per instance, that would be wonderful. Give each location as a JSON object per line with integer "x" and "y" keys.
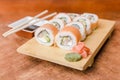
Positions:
{"x": 86, "y": 22}
{"x": 80, "y": 27}
{"x": 73, "y": 15}
{"x": 64, "y": 17}
{"x": 58, "y": 23}
{"x": 45, "y": 34}
{"x": 68, "y": 37}
{"x": 93, "y": 19}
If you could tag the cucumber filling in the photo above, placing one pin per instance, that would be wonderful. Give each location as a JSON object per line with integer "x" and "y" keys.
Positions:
{"x": 44, "y": 36}
{"x": 66, "y": 41}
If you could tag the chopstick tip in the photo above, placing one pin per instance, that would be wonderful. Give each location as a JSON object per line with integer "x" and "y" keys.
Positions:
{"x": 4, "y": 35}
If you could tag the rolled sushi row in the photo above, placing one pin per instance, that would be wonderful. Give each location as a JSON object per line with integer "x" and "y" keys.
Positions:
{"x": 66, "y": 29}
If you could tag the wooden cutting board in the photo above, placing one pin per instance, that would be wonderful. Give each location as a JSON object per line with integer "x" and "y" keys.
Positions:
{"x": 56, "y": 55}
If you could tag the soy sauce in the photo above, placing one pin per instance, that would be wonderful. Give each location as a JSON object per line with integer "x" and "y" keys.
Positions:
{"x": 31, "y": 28}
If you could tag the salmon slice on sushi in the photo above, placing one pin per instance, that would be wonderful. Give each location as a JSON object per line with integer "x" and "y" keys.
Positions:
{"x": 45, "y": 34}
{"x": 58, "y": 23}
{"x": 68, "y": 37}
{"x": 80, "y": 27}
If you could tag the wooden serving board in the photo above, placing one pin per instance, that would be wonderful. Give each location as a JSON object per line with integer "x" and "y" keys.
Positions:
{"x": 56, "y": 55}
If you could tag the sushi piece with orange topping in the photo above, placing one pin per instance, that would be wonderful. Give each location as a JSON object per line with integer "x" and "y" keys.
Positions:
{"x": 68, "y": 37}
{"x": 93, "y": 19}
{"x": 45, "y": 34}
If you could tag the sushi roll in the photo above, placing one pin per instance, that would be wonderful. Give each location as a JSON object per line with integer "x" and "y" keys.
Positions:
{"x": 57, "y": 23}
{"x": 73, "y": 15}
{"x": 86, "y": 22}
{"x": 93, "y": 19}
{"x": 68, "y": 37}
{"x": 80, "y": 27}
{"x": 64, "y": 17}
{"x": 45, "y": 34}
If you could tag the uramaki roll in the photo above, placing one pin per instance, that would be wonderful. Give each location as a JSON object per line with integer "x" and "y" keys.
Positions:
{"x": 58, "y": 23}
{"x": 86, "y": 22}
{"x": 68, "y": 37}
{"x": 93, "y": 19}
{"x": 45, "y": 34}
{"x": 80, "y": 27}
{"x": 73, "y": 15}
{"x": 64, "y": 17}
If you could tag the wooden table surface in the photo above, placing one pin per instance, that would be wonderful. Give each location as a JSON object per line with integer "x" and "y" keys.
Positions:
{"x": 15, "y": 66}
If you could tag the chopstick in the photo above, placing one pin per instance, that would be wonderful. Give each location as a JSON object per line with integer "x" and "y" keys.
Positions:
{"x": 20, "y": 28}
{"x": 35, "y": 17}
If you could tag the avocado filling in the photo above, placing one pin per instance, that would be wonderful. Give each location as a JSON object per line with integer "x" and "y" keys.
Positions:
{"x": 44, "y": 36}
{"x": 66, "y": 41}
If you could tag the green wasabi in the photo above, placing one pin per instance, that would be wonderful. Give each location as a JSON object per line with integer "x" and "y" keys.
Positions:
{"x": 73, "y": 57}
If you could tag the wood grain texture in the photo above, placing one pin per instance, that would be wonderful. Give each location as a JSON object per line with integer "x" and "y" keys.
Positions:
{"x": 14, "y": 66}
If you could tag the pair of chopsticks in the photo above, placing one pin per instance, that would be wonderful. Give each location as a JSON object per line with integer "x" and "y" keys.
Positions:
{"x": 22, "y": 26}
